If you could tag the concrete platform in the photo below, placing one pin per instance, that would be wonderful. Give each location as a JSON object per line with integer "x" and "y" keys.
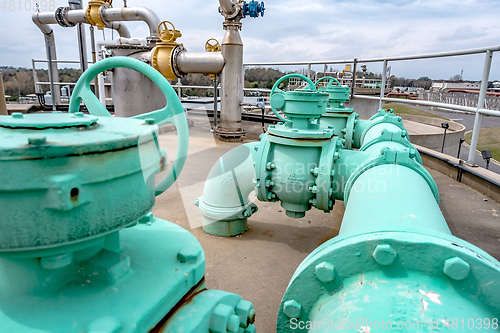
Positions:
{"x": 259, "y": 264}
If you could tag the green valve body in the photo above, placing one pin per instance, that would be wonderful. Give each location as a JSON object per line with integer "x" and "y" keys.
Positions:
{"x": 394, "y": 265}
{"x": 79, "y": 249}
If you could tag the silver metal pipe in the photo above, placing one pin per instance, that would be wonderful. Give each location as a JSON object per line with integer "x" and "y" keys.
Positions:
{"x": 215, "y": 103}
{"x": 480, "y": 105}
{"x": 51, "y": 73}
{"x": 232, "y": 81}
{"x": 134, "y": 14}
{"x": 493, "y": 113}
{"x": 3, "y": 103}
{"x": 200, "y": 62}
{"x": 120, "y": 28}
{"x": 227, "y": 6}
{"x": 382, "y": 87}
{"x": 75, "y": 16}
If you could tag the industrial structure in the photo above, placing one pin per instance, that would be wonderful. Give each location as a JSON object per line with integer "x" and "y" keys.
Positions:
{"x": 81, "y": 251}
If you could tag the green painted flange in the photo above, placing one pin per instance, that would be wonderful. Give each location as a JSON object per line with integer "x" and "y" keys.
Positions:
{"x": 387, "y": 275}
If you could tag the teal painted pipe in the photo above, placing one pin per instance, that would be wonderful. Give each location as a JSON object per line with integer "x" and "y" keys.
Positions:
{"x": 79, "y": 249}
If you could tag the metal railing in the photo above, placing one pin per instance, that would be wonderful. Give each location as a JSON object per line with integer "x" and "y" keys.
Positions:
{"x": 479, "y": 110}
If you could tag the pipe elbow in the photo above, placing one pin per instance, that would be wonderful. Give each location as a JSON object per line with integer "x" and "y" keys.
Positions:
{"x": 120, "y": 28}
{"x": 134, "y": 14}
{"x": 45, "y": 28}
{"x": 225, "y": 205}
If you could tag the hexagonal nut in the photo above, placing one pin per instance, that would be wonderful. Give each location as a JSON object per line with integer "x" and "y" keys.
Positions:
{"x": 223, "y": 320}
{"x": 250, "y": 329}
{"x": 245, "y": 311}
{"x": 292, "y": 309}
{"x": 384, "y": 254}
{"x": 325, "y": 272}
{"x": 189, "y": 254}
{"x": 456, "y": 268}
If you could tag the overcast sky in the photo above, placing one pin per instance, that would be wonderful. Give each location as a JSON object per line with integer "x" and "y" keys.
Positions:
{"x": 303, "y": 30}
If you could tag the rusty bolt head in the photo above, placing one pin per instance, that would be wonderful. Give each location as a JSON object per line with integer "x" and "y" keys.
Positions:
{"x": 292, "y": 309}
{"x": 384, "y": 254}
{"x": 325, "y": 272}
{"x": 456, "y": 269}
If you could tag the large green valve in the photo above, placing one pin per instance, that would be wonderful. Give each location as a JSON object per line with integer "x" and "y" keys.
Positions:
{"x": 337, "y": 115}
{"x": 79, "y": 249}
{"x": 395, "y": 265}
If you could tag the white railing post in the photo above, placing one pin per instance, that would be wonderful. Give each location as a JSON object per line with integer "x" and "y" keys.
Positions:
{"x": 480, "y": 105}
{"x": 382, "y": 87}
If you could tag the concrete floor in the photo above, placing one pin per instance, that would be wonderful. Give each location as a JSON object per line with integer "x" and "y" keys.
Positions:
{"x": 259, "y": 264}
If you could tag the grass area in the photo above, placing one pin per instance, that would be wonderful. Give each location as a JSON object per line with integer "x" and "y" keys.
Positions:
{"x": 404, "y": 109}
{"x": 489, "y": 139}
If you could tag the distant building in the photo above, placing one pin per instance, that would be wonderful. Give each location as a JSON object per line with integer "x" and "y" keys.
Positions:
{"x": 444, "y": 86}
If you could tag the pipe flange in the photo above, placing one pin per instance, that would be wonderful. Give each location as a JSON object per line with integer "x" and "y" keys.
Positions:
{"x": 324, "y": 176}
{"x": 389, "y": 118}
{"x": 349, "y": 135}
{"x": 390, "y": 136}
{"x": 231, "y": 24}
{"x": 175, "y": 55}
{"x": 237, "y": 10}
{"x": 61, "y": 17}
{"x": 334, "y": 264}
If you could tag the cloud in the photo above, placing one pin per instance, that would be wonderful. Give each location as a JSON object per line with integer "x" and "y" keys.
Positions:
{"x": 301, "y": 30}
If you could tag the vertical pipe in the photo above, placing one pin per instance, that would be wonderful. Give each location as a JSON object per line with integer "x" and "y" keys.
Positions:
{"x": 324, "y": 70}
{"x": 480, "y": 105}
{"x": 82, "y": 45}
{"x": 35, "y": 77}
{"x": 179, "y": 92}
{"x": 444, "y": 139}
{"x": 353, "y": 83}
{"x": 309, "y": 71}
{"x": 232, "y": 83}
{"x": 215, "y": 103}
{"x": 382, "y": 87}
{"x": 51, "y": 74}
{"x": 3, "y": 103}
{"x": 94, "y": 60}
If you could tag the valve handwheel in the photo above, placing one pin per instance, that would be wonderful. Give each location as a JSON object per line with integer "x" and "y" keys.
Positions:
{"x": 332, "y": 79}
{"x": 215, "y": 47}
{"x": 168, "y": 31}
{"x": 278, "y": 95}
{"x": 172, "y": 113}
